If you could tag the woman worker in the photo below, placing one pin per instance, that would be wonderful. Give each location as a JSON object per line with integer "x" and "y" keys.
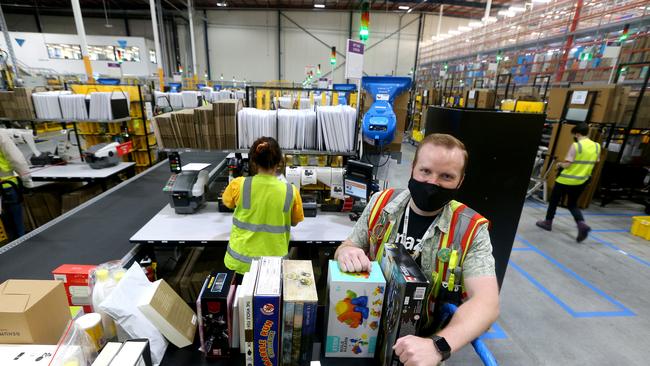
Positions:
{"x": 265, "y": 209}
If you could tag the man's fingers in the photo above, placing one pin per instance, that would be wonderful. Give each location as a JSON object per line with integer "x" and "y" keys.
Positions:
{"x": 356, "y": 263}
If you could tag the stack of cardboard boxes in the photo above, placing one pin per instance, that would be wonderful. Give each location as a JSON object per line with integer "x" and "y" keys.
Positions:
{"x": 210, "y": 127}
{"x": 17, "y": 104}
{"x": 609, "y": 105}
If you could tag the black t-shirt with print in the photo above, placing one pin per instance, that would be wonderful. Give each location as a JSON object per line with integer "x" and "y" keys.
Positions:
{"x": 417, "y": 227}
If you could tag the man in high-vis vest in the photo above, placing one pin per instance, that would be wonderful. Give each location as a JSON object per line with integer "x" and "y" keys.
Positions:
{"x": 583, "y": 155}
{"x": 12, "y": 162}
{"x": 449, "y": 241}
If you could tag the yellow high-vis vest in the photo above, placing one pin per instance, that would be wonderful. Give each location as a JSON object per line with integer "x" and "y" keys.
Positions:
{"x": 261, "y": 223}
{"x": 579, "y": 171}
{"x": 5, "y": 168}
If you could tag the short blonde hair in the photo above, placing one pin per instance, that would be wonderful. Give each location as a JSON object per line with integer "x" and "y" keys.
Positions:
{"x": 444, "y": 140}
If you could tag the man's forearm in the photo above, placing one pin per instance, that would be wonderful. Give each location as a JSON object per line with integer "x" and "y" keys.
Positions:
{"x": 471, "y": 320}
{"x": 345, "y": 243}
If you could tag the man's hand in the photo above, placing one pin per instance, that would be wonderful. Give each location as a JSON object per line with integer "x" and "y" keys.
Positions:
{"x": 416, "y": 351}
{"x": 352, "y": 259}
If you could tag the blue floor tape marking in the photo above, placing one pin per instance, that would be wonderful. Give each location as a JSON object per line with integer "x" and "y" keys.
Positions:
{"x": 610, "y": 231}
{"x": 576, "y": 314}
{"x": 614, "y": 247}
{"x": 521, "y": 249}
{"x": 495, "y": 332}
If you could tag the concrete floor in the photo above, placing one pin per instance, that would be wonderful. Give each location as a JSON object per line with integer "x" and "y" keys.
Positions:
{"x": 564, "y": 303}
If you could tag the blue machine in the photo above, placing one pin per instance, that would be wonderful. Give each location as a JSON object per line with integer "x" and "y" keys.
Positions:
{"x": 379, "y": 122}
{"x": 346, "y": 89}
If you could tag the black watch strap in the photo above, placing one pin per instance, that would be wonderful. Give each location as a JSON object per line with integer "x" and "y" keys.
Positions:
{"x": 442, "y": 346}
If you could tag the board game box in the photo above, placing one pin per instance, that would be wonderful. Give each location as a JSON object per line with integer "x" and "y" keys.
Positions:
{"x": 406, "y": 287}
{"x": 214, "y": 310}
{"x": 299, "y": 304}
{"x": 267, "y": 312}
{"x": 354, "y": 311}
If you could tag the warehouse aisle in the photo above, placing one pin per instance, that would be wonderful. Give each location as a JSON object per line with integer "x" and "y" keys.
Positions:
{"x": 564, "y": 303}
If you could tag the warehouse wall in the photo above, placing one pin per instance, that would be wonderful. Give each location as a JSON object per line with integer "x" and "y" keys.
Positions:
{"x": 244, "y": 44}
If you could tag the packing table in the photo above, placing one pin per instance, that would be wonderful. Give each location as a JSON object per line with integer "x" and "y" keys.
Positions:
{"x": 210, "y": 227}
{"x": 80, "y": 172}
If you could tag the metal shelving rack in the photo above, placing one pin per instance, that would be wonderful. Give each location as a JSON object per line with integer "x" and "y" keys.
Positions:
{"x": 546, "y": 39}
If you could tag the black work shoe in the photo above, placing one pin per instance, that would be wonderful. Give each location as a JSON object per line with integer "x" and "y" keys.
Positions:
{"x": 545, "y": 224}
{"x": 583, "y": 232}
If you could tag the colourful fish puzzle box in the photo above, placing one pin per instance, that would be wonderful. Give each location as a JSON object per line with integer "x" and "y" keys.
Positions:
{"x": 355, "y": 304}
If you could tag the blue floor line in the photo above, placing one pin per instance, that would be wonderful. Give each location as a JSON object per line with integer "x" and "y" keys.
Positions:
{"x": 614, "y": 247}
{"x": 521, "y": 249}
{"x": 624, "y": 310}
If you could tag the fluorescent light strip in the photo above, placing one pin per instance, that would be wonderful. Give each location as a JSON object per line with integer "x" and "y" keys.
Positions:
{"x": 403, "y": 7}
{"x": 319, "y": 6}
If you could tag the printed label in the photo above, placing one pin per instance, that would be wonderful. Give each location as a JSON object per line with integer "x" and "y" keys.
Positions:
{"x": 219, "y": 281}
{"x": 419, "y": 293}
{"x": 60, "y": 277}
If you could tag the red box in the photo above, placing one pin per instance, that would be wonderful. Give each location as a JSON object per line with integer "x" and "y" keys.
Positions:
{"x": 75, "y": 280}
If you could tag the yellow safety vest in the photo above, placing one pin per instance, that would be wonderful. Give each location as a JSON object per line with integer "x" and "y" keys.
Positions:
{"x": 5, "y": 168}
{"x": 452, "y": 249}
{"x": 579, "y": 171}
{"x": 261, "y": 223}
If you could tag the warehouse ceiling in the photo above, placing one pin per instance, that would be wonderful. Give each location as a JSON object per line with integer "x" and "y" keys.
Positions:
{"x": 457, "y": 8}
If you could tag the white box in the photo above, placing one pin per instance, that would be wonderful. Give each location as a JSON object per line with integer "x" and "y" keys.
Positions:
{"x": 355, "y": 305}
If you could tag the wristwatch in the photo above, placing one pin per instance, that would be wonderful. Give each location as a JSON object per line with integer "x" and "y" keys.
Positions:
{"x": 442, "y": 346}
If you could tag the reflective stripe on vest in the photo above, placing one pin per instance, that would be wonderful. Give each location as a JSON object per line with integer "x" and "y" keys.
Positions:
{"x": 448, "y": 275}
{"x": 587, "y": 153}
{"x": 261, "y": 222}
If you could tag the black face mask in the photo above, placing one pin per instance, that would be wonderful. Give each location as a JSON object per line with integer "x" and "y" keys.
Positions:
{"x": 430, "y": 197}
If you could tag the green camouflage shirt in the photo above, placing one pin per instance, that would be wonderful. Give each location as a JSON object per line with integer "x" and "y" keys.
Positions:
{"x": 478, "y": 261}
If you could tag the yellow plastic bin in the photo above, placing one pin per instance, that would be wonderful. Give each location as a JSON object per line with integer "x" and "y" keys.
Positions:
{"x": 641, "y": 226}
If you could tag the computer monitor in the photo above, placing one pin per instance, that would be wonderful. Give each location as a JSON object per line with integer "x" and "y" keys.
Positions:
{"x": 358, "y": 178}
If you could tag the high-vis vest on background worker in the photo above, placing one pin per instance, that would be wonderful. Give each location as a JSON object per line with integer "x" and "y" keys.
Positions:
{"x": 12, "y": 162}
{"x": 579, "y": 172}
{"x": 258, "y": 228}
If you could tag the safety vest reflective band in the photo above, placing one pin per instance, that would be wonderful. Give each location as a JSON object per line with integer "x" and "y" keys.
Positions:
{"x": 587, "y": 153}
{"x": 6, "y": 172}
{"x": 261, "y": 222}
{"x": 457, "y": 241}
{"x": 377, "y": 232}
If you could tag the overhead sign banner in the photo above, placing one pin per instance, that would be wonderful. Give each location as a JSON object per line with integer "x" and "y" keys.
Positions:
{"x": 122, "y": 43}
{"x": 354, "y": 60}
{"x": 20, "y": 41}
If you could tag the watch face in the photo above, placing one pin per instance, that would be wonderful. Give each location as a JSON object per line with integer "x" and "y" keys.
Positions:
{"x": 442, "y": 345}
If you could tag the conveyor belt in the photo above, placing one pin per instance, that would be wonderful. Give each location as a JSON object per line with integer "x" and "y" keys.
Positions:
{"x": 97, "y": 231}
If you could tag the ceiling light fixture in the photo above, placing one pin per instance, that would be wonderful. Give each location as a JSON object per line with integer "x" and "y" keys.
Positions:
{"x": 403, "y": 7}
{"x": 319, "y": 6}
{"x": 222, "y": 4}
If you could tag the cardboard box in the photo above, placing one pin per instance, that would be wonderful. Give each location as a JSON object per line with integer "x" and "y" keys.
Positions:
{"x": 213, "y": 307}
{"x": 33, "y": 311}
{"x": 300, "y": 301}
{"x": 266, "y": 312}
{"x": 406, "y": 289}
{"x": 480, "y": 98}
{"x": 168, "y": 312}
{"x": 354, "y": 311}
{"x": 75, "y": 281}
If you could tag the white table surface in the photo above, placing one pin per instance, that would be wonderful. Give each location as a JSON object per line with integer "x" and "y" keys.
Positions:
{"x": 209, "y": 225}
{"x": 77, "y": 170}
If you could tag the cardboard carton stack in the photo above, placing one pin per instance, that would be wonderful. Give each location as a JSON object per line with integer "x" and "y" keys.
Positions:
{"x": 225, "y": 121}
{"x": 183, "y": 124}
{"x": 17, "y": 104}
{"x": 606, "y": 106}
{"x": 164, "y": 126}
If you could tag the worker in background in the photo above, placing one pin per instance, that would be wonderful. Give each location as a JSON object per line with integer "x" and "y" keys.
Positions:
{"x": 438, "y": 232}
{"x": 265, "y": 209}
{"x": 573, "y": 178}
{"x": 13, "y": 162}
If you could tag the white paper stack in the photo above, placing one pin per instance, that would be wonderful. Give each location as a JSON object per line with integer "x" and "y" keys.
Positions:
{"x": 46, "y": 104}
{"x": 239, "y": 94}
{"x": 255, "y": 123}
{"x": 206, "y": 93}
{"x": 73, "y": 107}
{"x": 223, "y": 95}
{"x": 288, "y": 102}
{"x": 100, "y": 105}
{"x": 176, "y": 100}
{"x": 335, "y": 128}
{"x": 190, "y": 98}
{"x": 161, "y": 99}
{"x": 296, "y": 128}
